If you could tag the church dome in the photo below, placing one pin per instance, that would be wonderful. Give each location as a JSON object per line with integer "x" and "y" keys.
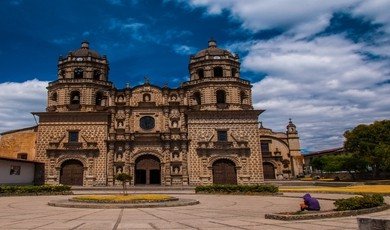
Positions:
{"x": 84, "y": 51}
{"x": 213, "y": 50}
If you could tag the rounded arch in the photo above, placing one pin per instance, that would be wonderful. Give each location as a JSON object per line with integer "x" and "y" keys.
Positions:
{"x": 147, "y": 169}
{"x": 72, "y": 172}
{"x": 215, "y": 158}
{"x": 224, "y": 171}
{"x": 269, "y": 170}
{"x": 62, "y": 159}
{"x": 148, "y": 152}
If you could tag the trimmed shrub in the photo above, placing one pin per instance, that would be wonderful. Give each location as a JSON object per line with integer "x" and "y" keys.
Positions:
{"x": 359, "y": 202}
{"x": 31, "y": 189}
{"x": 217, "y": 188}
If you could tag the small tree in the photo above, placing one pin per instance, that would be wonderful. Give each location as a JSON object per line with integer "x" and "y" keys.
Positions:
{"x": 371, "y": 143}
{"x": 123, "y": 177}
{"x": 318, "y": 163}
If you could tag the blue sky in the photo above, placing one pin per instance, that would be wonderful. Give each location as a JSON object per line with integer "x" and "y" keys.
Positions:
{"x": 325, "y": 64}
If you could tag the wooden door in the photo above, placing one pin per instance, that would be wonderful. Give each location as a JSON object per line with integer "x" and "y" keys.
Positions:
{"x": 224, "y": 172}
{"x": 147, "y": 170}
{"x": 72, "y": 173}
{"x": 269, "y": 170}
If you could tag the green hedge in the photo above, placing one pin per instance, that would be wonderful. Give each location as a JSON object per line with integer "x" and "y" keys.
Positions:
{"x": 359, "y": 202}
{"x": 216, "y": 188}
{"x": 14, "y": 189}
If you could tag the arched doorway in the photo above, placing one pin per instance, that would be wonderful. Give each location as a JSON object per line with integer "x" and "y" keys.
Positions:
{"x": 224, "y": 172}
{"x": 147, "y": 170}
{"x": 269, "y": 170}
{"x": 72, "y": 173}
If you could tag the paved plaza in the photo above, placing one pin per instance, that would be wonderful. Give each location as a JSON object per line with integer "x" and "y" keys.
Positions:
{"x": 213, "y": 212}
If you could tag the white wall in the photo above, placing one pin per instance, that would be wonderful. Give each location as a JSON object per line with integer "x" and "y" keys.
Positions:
{"x": 26, "y": 172}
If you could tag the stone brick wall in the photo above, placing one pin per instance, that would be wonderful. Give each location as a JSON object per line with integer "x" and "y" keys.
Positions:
{"x": 53, "y": 148}
{"x": 202, "y": 128}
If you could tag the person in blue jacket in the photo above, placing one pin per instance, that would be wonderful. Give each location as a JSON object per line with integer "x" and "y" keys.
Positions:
{"x": 310, "y": 203}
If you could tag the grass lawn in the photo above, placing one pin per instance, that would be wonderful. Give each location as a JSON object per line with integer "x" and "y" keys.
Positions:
{"x": 381, "y": 189}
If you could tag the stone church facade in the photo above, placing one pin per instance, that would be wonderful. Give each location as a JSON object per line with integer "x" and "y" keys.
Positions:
{"x": 205, "y": 131}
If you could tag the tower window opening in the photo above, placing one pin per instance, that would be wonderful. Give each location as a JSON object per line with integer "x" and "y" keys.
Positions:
{"x": 96, "y": 75}
{"x": 234, "y": 72}
{"x": 200, "y": 73}
{"x": 78, "y": 73}
{"x": 99, "y": 98}
{"x": 242, "y": 97}
{"x": 221, "y": 97}
{"x": 75, "y": 98}
{"x": 197, "y": 97}
{"x": 218, "y": 71}
{"x": 54, "y": 97}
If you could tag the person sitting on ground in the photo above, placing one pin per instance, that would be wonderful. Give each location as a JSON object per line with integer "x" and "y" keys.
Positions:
{"x": 310, "y": 203}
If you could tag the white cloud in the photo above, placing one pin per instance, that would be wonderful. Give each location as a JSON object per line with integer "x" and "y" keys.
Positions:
{"x": 18, "y": 100}
{"x": 376, "y": 10}
{"x": 324, "y": 84}
{"x": 184, "y": 49}
{"x": 298, "y": 17}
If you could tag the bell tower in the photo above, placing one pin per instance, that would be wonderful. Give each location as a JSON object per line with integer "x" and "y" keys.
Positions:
{"x": 215, "y": 82}
{"x": 222, "y": 124}
{"x": 82, "y": 82}
{"x": 294, "y": 148}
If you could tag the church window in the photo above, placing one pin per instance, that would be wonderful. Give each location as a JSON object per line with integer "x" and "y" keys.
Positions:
{"x": 96, "y": 75}
{"x": 221, "y": 97}
{"x": 234, "y": 72}
{"x": 73, "y": 136}
{"x": 99, "y": 98}
{"x": 197, "y": 98}
{"x": 218, "y": 71}
{"x": 147, "y": 122}
{"x": 265, "y": 148}
{"x": 200, "y": 73}
{"x": 75, "y": 98}
{"x": 222, "y": 135}
{"x": 78, "y": 73}
{"x": 22, "y": 156}
{"x": 146, "y": 97}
